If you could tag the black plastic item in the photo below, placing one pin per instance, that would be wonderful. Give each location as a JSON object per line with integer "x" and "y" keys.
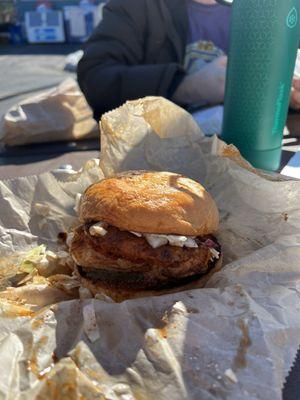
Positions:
{"x": 291, "y": 390}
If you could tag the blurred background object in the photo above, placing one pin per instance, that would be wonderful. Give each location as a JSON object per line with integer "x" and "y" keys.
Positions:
{"x": 43, "y": 21}
{"x": 7, "y": 20}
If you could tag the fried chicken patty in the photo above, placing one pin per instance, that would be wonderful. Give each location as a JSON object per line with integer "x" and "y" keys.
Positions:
{"x": 121, "y": 259}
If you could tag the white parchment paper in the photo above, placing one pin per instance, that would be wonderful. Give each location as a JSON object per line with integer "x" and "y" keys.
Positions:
{"x": 235, "y": 339}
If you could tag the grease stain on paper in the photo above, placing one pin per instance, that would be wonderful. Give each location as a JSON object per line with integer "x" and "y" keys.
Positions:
{"x": 240, "y": 360}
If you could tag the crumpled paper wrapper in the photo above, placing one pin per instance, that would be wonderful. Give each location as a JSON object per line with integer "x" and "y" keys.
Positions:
{"x": 235, "y": 339}
{"x": 58, "y": 114}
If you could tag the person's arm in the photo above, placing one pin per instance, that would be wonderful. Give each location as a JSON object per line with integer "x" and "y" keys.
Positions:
{"x": 112, "y": 70}
{"x": 295, "y": 94}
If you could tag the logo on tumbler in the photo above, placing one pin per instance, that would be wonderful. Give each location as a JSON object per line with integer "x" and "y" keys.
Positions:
{"x": 279, "y": 104}
{"x": 292, "y": 18}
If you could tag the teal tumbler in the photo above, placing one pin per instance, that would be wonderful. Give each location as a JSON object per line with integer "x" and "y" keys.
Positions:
{"x": 264, "y": 38}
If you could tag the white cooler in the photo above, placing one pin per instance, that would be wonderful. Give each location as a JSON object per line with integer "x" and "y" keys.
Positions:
{"x": 44, "y": 27}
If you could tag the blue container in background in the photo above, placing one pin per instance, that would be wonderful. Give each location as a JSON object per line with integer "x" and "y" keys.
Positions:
{"x": 16, "y": 34}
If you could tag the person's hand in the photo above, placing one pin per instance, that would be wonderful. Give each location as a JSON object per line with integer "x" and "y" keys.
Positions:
{"x": 206, "y": 86}
{"x": 295, "y": 94}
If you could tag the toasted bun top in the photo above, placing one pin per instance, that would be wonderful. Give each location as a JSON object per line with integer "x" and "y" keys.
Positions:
{"x": 151, "y": 202}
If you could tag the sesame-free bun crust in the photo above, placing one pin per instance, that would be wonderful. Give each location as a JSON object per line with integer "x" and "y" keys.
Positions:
{"x": 151, "y": 202}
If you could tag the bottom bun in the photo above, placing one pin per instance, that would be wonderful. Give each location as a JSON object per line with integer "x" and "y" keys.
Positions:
{"x": 99, "y": 289}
